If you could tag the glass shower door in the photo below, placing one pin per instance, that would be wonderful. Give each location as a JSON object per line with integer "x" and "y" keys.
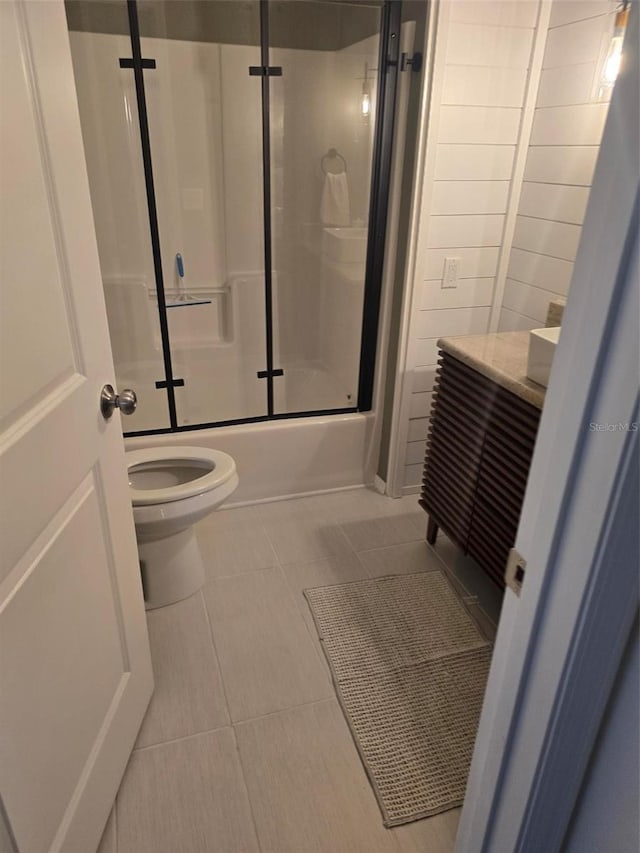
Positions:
{"x": 99, "y": 38}
{"x": 204, "y": 114}
{"x": 322, "y": 121}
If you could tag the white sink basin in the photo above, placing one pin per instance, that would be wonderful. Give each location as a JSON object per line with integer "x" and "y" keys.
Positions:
{"x": 542, "y": 346}
{"x": 345, "y": 245}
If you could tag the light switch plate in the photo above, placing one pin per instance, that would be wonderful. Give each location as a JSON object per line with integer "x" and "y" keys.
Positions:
{"x": 450, "y": 274}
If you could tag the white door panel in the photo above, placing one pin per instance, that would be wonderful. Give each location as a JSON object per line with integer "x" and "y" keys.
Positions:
{"x": 75, "y": 673}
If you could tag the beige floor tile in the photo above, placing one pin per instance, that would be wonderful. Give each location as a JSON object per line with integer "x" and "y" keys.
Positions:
{"x": 233, "y": 542}
{"x": 308, "y": 790}
{"x": 366, "y": 503}
{"x": 400, "y": 559}
{"x": 186, "y": 797}
{"x": 324, "y": 572}
{"x": 188, "y": 696}
{"x": 266, "y": 655}
{"x": 384, "y": 530}
{"x": 312, "y": 505}
{"x": 108, "y": 840}
{"x": 303, "y": 537}
{"x": 436, "y": 834}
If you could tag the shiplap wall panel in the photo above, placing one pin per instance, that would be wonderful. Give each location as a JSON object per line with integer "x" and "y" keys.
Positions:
{"x": 415, "y": 453}
{"x": 568, "y": 11}
{"x": 533, "y": 268}
{"x": 424, "y": 352}
{"x": 417, "y": 430}
{"x": 413, "y": 473}
{"x": 512, "y": 321}
{"x": 557, "y": 88}
{"x": 494, "y": 47}
{"x": 466, "y": 197}
{"x": 459, "y": 232}
{"x": 452, "y": 321}
{"x": 484, "y": 75}
{"x": 420, "y": 404}
{"x": 487, "y": 87}
{"x": 479, "y": 125}
{"x": 563, "y": 149}
{"x": 569, "y": 165}
{"x": 481, "y": 262}
{"x": 576, "y": 124}
{"x": 575, "y": 43}
{"x": 423, "y": 378}
{"x": 532, "y": 302}
{"x": 562, "y": 203}
{"x": 547, "y": 237}
{"x": 474, "y": 162}
{"x": 500, "y": 13}
{"x": 469, "y": 292}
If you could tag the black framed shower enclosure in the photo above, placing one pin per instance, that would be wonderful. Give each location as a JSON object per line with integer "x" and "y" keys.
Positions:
{"x": 387, "y": 73}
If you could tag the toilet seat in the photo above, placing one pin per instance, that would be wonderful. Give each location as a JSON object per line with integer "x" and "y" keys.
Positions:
{"x": 222, "y": 469}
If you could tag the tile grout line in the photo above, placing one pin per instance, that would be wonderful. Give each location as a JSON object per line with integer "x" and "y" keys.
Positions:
{"x": 323, "y": 662}
{"x": 243, "y": 773}
{"x": 306, "y": 626}
{"x": 181, "y": 738}
{"x": 284, "y": 711}
{"x": 215, "y": 654}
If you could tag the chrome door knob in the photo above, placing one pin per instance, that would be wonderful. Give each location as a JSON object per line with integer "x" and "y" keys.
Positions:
{"x": 109, "y": 401}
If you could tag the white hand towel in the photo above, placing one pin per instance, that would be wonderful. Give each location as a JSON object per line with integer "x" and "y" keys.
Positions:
{"x": 334, "y": 206}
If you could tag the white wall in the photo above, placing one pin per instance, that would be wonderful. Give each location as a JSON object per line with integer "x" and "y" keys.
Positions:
{"x": 483, "y": 53}
{"x": 565, "y": 138}
{"x": 511, "y": 146}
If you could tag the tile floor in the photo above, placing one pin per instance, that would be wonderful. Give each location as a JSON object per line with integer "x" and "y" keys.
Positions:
{"x": 244, "y": 747}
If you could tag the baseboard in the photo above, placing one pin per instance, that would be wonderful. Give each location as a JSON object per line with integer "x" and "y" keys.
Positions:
{"x": 411, "y": 490}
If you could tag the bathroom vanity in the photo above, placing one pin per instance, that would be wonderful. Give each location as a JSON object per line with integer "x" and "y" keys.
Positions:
{"x": 483, "y": 426}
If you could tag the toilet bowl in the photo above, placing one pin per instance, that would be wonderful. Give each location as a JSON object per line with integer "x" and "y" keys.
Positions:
{"x": 171, "y": 489}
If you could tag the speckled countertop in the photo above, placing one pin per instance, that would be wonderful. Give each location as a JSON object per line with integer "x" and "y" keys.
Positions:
{"x": 501, "y": 356}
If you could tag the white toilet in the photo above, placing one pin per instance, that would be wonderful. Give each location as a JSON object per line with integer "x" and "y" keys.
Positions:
{"x": 171, "y": 489}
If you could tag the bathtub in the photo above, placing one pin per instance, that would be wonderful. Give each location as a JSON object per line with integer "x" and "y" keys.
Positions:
{"x": 284, "y": 458}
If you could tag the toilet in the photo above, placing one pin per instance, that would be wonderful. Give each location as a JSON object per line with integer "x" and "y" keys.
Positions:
{"x": 171, "y": 489}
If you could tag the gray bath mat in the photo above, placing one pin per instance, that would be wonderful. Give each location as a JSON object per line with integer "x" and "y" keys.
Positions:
{"x": 410, "y": 667}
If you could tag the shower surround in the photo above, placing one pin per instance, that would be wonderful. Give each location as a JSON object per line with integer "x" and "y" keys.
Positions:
{"x": 204, "y": 113}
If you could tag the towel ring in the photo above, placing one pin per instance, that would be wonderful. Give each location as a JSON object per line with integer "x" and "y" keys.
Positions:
{"x": 333, "y": 154}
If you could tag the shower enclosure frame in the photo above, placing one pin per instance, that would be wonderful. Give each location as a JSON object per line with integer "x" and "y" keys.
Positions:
{"x": 389, "y": 65}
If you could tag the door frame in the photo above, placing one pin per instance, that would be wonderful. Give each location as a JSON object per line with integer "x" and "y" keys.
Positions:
{"x": 560, "y": 644}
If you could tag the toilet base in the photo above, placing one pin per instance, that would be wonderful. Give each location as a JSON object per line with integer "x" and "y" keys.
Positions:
{"x": 171, "y": 567}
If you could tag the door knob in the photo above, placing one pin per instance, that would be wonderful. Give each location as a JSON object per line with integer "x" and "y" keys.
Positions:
{"x": 109, "y": 400}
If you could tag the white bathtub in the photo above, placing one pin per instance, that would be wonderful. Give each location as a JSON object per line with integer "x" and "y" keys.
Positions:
{"x": 296, "y": 456}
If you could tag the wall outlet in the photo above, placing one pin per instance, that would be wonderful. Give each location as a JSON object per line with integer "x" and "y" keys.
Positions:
{"x": 450, "y": 274}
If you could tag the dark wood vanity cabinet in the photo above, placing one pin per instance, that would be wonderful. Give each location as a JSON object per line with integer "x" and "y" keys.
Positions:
{"x": 478, "y": 453}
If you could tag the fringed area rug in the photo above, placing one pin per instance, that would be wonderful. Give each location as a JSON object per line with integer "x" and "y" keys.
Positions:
{"x": 410, "y": 667}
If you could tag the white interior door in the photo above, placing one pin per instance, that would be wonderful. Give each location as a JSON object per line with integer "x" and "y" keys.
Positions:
{"x": 75, "y": 671}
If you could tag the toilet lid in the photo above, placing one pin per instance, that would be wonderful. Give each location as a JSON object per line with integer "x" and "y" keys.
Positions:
{"x": 211, "y": 468}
